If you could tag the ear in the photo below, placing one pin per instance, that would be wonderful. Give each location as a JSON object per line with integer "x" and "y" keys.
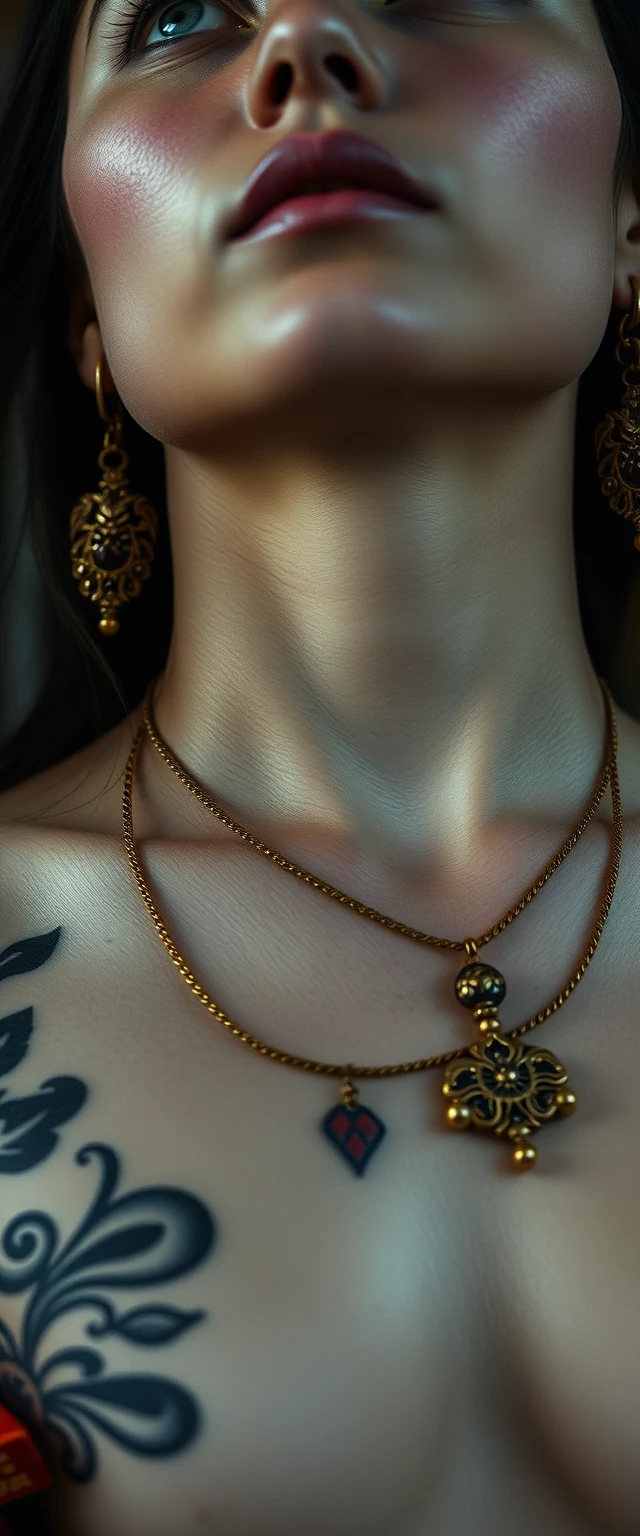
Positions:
{"x": 85, "y": 339}
{"x": 627, "y": 253}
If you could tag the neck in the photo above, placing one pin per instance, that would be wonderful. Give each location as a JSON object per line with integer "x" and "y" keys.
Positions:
{"x": 384, "y": 649}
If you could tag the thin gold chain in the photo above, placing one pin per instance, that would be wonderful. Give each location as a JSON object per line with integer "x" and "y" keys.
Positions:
{"x": 330, "y": 1069}
{"x": 358, "y": 906}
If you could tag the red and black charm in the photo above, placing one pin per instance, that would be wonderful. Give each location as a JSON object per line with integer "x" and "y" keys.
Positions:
{"x": 353, "y": 1128}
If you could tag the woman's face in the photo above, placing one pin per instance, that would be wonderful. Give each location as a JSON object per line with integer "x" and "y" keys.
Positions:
{"x": 507, "y": 109}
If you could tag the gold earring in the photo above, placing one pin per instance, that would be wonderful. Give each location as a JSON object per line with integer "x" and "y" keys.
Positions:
{"x": 113, "y": 530}
{"x": 618, "y": 436}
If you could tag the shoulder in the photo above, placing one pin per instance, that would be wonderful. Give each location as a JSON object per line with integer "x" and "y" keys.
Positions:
{"x": 82, "y": 793}
{"x": 63, "y": 869}
{"x": 61, "y": 836}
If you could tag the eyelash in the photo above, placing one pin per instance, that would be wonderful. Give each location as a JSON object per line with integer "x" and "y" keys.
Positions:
{"x": 137, "y": 12}
{"x": 129, "y": 27}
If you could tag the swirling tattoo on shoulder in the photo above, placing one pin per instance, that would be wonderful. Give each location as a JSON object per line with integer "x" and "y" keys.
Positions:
{"x": 140, "y": 1239}
{"x": 124, "y": 1241}
{"x": 29, "y": 1125}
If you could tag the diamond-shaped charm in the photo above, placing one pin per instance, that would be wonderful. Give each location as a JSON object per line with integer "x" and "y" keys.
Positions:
{"x": 355, "y": 1132}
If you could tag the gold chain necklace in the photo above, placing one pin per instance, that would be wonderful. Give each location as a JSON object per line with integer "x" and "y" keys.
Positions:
{"x": 496, "y": 1084}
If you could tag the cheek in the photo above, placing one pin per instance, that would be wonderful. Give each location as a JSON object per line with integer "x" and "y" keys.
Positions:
{"x": 533, "y": 127}
{"x": 536, "y": 139}
{"x": 130, "y": 182}
{"x": 142, "y": 185}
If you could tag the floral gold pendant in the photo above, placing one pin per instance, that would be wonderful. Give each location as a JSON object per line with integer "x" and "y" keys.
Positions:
{"x": 113, "y": 534}
{"x": 499, "y": 1084}
{"x": 508, "y": 1088}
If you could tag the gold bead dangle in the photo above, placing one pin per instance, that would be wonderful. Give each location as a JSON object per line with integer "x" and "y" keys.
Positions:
{"x": 113, "y": 530}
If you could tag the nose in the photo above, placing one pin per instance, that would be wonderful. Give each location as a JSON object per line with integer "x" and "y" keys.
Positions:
{"x": 311, "y": 53}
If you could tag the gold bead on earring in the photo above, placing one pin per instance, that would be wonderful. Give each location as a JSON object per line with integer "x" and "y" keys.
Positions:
{"x": 113, "y": 530}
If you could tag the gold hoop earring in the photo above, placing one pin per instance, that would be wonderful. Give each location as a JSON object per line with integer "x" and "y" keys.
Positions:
{"x": 617, "y": 438}
{"x": 113, "y": 530}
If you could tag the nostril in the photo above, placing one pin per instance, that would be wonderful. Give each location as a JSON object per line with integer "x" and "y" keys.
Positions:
{"x": 344, "y": 70}
{"x": 281, "y": 84}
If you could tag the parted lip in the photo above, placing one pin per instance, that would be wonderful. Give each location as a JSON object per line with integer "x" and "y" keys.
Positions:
{"x": 338, "y": 156}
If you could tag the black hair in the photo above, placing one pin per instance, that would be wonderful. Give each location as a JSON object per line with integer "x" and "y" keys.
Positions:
{"x": 90, "y": 682}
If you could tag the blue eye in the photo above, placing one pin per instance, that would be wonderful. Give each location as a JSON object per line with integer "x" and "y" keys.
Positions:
{"x": 181, "y": 19}
{"x": 173, "y": 23}
{"x": 177, "y": 20}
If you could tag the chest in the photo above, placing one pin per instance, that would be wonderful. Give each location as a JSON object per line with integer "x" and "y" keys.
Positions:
{"x": 222, "y": 1328}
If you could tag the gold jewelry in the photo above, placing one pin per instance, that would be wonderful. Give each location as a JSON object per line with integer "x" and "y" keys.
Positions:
{"x": 331, "y": 890}
{"x": 113, "y": 530}
{"x": 617, "y": 438}
{"x": 495, "y": 1084}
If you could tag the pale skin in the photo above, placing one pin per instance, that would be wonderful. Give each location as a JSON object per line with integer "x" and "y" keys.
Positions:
{"x": 378, "y": 665}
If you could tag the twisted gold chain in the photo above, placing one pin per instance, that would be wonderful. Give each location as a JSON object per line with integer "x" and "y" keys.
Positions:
{"x": 348, "y": 901}
{"x": 423, "y": 1064}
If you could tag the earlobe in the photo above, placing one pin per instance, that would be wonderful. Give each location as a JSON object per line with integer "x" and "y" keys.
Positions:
{"x": 623, "y": 290}
{"x": 85, "y": 341}
{"x": 627, "y": 254}
{"x": 88, "y": 351}
{"x": 92, "y": 351}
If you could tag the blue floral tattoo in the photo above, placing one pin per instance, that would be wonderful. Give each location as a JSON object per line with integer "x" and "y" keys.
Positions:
{"x": 144, "y": 1238}
{"x": 29, "y": 1126}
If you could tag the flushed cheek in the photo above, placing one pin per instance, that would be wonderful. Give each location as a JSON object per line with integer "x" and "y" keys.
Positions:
{"x": 534, "y": 125}
{"x": 141, "y": 190}
{"x": 131, "y": 182}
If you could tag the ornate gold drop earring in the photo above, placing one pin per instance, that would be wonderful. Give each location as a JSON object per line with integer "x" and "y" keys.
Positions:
{"x": 113, "y": 530}
{"x": 617, "y": 438}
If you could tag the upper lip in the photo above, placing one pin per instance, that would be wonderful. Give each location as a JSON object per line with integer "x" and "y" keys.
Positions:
{"x": 333, "y": 156}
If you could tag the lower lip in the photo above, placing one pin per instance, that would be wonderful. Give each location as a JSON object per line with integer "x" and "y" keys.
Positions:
{"x": 317, "y": 209}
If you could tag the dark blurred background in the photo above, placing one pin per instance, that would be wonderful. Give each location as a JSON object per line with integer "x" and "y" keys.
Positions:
{"x": 22, "y": 638}
{"x": 10, "y": 14}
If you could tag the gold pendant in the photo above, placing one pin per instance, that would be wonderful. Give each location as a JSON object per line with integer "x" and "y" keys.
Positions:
{"x": 113, "y": 534}
{"x": 501, "y": 1085}
{"x": 617, "y": 438}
